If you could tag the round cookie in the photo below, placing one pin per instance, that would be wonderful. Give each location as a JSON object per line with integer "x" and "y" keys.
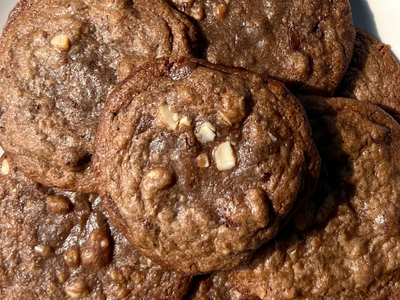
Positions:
{"x": 201, "y": 163}
{"x": 373, "y": 75}
{"x": 353, "y": 250}
{"x": 59, "y": 60}
{"x": 307, "y": 44}
{"x": 58, "y": 245}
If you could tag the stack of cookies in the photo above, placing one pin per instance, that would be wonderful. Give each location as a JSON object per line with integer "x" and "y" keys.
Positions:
{"x": 187, "y": 149}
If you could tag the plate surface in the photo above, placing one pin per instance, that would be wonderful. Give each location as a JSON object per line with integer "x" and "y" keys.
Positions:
{"x": 380, "y": 18}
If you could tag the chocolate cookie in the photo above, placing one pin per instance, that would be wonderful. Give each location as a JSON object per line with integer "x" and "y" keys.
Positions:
{"x": 307, "y": 44}
{"x": 202, "y": 163}
{"x": 373, "y": 75}
{"x": 58, "y": 245}
{"x": 59, "y": 59}
{"x": 353, "y": 251}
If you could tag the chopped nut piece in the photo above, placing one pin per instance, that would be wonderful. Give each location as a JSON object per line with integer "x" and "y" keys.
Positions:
{"x": 117, "y": 276}
{"x": 168, "y": 118}
{"x": 232, "y": 108}
{"x": 62, "y": 276}
{"x": 183, "y": 199}
{"x": 220, "y": 11}
{"x": 228, "y": 1}
{"x": 71, "y": 257}
{"x": 206, "y": 133}
{"x": 61, "y": 42}
{"x": 76, "y": 289}
{"x": 59, "y": 204}
{"x": 45, "y": 251}
{"x": 185, "y": 121}
{"x": 154, "y": 181}
{"x": 225, "y": 118}
{"x": 5, "y": 167}
{"x": 273, "y": 138}
{"x": 197, "y": 13}
{"x": 225, "y": 157}
{"x": 202, "y": 161}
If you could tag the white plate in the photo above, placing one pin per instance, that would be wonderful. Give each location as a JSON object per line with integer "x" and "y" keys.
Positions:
{"x": 378, "y": 17}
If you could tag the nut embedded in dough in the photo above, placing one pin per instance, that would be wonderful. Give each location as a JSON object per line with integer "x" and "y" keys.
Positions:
{"x": 206, "y": 133}
{"x": 202, "y": 161}
{"x": 154, "y": 181}
{"x": 220, "y": 11}
{"x": 71, "y": 257}
{"x": 225, "y": 157}
{"x": 61, "y": 42}
{"x": 168, "y": 118}
{"x": 59, "y": 204}
{"x": 76, "y": 289}
{"x": 5, "y": 167}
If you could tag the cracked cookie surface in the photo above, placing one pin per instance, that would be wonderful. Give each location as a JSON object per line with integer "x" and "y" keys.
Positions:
{"x": 346, "y": 244}
{"x": 59, "y": 245}
{"x": 373, "y": 75}
{"x": 59, "y": 60}
{"x": 307, "y": 44}
{"x": 201, "y": 163}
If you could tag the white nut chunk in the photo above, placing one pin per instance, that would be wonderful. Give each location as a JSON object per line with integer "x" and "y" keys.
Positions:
{"x": 61, "y": 42}
{"x": 206, "y": 133}
{"x": 185, "y": 121}
{"x": 225, "y": 157}
{"x": 5, "y": 167}
{"x": 272, "y": 137}
{"x": 168, "y": 118}
{"x": 202, "y": 161}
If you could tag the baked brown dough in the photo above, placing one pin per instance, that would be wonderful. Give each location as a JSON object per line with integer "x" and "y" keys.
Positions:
{"x": 203, "y": 163}
{"x": 58, "y": 245}
{"x": 373, "y": 75}
{"x": 307, "y": 44}
{"x": 59, "y": 59}
{"x": 351, "y": 246}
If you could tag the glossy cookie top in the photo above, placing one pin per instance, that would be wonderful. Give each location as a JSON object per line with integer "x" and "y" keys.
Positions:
{"x": 59, "y": 245}
{"x": 203, "y": 163}
{"x": 59, "y": 60}
{"x": 350, "y": 249}
{"x": 307, "y": 44}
